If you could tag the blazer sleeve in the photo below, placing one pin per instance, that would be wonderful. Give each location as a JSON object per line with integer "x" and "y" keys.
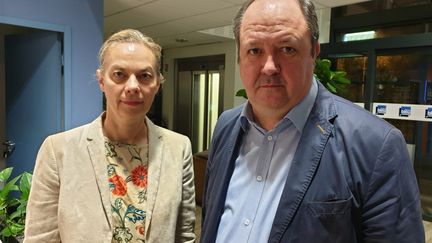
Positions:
{"x": 391, "y": 211}
{"x": 41, "y": 218}
{"x": 185, "y": 231}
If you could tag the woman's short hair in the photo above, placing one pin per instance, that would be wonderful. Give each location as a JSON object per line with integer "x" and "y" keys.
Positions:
{"x": 131, "y": 36}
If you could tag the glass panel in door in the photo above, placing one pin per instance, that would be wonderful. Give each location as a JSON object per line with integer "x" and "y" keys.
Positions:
{"x": 355, "y": 66}
{"x": 205, "y": 108}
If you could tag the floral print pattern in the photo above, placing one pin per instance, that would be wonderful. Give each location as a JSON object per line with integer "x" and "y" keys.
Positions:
{"x": 117, "y": 185}
{"x": 127, "y": 170}
{"x": 139, "y": 176}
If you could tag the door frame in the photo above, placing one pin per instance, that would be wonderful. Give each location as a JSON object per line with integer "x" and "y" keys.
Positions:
{"x": 66, "y": 99}
{"x": 66, "y": 118}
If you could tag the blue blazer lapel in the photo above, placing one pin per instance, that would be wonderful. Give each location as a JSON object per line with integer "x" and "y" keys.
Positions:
{"x": 223, "y": 166}
{"x": 315, "y": 135}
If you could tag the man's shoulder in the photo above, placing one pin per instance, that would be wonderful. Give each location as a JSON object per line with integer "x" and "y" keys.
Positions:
{"x": 355, "y": 113}
{"x": 230, "y": 116}
{"x": 227, "y": 122}
{"x": 233, "y": 112}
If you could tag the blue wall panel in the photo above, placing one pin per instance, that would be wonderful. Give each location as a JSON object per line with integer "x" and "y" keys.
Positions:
{"x": 83, "y": 24}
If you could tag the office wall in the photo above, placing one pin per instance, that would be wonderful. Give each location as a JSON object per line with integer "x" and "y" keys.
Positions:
{"x": 85, "y": 20}
{"x": 232, "y": 80}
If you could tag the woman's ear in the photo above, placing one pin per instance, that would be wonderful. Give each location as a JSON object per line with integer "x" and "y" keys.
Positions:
{"x": 161, "y": 81}
{"x": 99, "y": 77}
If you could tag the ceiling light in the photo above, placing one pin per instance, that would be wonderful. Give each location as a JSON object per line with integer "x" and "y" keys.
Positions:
{"x": 181, "y": 40}
{"x": 364, "y": 35}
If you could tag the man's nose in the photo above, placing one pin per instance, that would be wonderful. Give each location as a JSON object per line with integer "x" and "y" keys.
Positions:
{"x": 132, "y": 85}
{"x": 271, "y": 66}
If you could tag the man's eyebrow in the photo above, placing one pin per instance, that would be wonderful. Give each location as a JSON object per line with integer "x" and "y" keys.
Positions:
{"x": 146, "y": 69}
{"x": 251, "y": 42}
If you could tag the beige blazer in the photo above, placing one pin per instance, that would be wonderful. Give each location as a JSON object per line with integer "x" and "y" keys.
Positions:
{"x": 70, "y": 201}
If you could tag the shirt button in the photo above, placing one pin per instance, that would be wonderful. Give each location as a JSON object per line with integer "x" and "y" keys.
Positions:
{"x": 259, "y": 178}
{"x": 269, "y": 138}
{"x": 246, "y": 222}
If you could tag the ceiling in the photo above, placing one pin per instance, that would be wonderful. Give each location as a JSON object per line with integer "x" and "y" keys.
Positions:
{"x": 177, "y": 23}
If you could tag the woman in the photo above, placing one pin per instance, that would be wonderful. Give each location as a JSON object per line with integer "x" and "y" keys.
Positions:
{"x": 119, "y": 178}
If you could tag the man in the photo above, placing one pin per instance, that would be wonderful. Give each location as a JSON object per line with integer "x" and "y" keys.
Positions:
{"x": 297, "y": 163}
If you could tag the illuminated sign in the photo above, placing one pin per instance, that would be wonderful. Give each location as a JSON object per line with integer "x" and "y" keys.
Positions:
{"x": 428, "y": 112}
{"x": 405, "y": 111}
{"x": 381, "y": 109}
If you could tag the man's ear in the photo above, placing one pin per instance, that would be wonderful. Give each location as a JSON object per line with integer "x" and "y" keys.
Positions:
{"x": 100, "y": 79}
{"x": 316, "y": 49}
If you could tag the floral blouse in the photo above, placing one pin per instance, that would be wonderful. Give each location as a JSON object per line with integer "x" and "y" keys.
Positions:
{"x": 127, "y": 177}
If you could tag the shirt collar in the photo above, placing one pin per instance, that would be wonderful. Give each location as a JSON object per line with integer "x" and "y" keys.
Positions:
{"x": 298, "y": 115}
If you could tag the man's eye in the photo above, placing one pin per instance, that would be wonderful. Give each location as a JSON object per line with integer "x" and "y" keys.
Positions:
{"x": 287, "y": 50}
{"x": 254, "y": 51}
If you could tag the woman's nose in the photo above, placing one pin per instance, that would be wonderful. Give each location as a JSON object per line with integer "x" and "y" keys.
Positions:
{"x": 132, "y": 85}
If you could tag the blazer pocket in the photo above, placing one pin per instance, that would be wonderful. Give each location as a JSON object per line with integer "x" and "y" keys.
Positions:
{"x": 323, "y": 222}
{"x": 329, "y": 208}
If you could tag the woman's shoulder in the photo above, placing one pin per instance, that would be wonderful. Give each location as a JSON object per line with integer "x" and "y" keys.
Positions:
{"x": 169, "y": 134}
{"x": 165, "y": 133}
{"x": 85, "y": 131}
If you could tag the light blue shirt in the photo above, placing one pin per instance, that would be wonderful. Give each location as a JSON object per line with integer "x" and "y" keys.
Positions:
{"x": 260, "y": 172}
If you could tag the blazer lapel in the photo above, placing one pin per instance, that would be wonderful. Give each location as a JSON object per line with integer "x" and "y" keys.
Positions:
{"x": 95, "y": 146}
{"x": 305, "y": 163}
{"x": 155, "y": 141}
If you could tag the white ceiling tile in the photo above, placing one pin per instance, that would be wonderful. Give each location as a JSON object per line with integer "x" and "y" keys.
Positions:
{"x": 166, "y": 20}
{"x": 115, "y": 6}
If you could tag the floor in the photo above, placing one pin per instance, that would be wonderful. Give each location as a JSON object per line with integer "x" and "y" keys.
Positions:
{"x": 428, "y": 231}
{"x": 427, "y": 225}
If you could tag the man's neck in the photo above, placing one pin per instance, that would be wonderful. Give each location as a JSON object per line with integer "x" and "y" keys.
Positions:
{"x": 268, "y": 119}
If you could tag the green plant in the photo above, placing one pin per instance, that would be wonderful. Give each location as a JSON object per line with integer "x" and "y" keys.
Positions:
{"x": 13, "y": 209}
{"x": 334, "y": 81}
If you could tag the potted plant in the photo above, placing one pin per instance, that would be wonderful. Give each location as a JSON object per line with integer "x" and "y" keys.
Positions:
{"x": 13, "y": 207}
{"x": 334, "y": 81}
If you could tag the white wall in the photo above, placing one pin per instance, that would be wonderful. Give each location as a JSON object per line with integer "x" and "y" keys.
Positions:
{"x": 324, "y": 16}
{"x": 231, "y": 81}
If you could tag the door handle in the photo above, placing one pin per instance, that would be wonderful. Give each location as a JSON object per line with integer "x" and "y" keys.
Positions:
{"x": 9, "y": 147}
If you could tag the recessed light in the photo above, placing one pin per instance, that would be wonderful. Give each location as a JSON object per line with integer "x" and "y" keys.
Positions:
{"x": 181, "y": 40}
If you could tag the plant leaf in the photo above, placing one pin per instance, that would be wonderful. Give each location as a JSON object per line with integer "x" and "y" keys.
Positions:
{"x": 331, "y": 88}
{"x": 5, "y": 174}
{"x": 241, "y": 93}
{"x": 25, "y": 184}
{"x": 343, "y": 80}
{"x": 10, "y": 186}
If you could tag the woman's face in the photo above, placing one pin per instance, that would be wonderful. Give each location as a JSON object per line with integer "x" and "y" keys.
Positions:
{"x": 130, "y": 80}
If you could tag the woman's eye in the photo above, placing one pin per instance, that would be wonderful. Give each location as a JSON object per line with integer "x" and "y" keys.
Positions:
{"x": 254, "y": 51}
{"x": 118, "y": 75}
{"x": 145, "y": 77}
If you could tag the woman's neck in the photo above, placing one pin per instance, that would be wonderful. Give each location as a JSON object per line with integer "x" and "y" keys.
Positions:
{"x": 129, "y": 132}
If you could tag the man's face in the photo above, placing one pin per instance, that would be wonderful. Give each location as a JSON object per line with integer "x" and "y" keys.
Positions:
{"x": 276, "y": 60}
{"x": 129, "y": 78}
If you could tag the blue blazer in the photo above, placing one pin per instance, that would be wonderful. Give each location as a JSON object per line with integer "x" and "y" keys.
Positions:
{"x": 351, "y": 179}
